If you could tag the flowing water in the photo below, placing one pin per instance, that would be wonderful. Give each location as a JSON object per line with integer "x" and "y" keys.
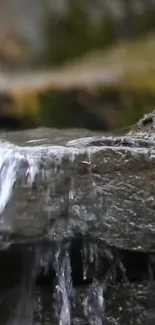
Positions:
{"x": 15, "y": 164}
{"x": 66, "y": 283}
{"x": 44, "y": 292}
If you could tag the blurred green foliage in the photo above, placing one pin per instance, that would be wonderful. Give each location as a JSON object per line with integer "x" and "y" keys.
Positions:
{"x": 143, "y": 23}
{"x": 74, "y": 34}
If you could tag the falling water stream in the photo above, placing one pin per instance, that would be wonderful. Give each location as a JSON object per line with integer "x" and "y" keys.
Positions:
{"x": 45, "y": 293}
{"x": 57, "y": 284}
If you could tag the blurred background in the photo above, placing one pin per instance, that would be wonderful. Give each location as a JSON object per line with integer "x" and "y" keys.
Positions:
{"x": 76, "y": 63}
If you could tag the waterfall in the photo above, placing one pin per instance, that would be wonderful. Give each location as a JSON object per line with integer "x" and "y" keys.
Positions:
{"x": 64, "y": 286}
{"x": 10, "y": 164}
{"x": 14, "y": 165}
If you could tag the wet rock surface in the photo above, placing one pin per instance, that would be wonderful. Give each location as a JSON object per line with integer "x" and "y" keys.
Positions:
{"x": 77, "y": 228}
{"x": 54, "y": 187}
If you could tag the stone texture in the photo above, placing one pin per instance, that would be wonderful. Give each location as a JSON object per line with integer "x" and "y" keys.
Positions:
{"x": 102, "y": 187}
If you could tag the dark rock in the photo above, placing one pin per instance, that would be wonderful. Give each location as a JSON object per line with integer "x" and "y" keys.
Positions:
{"x": 101, "y": 187}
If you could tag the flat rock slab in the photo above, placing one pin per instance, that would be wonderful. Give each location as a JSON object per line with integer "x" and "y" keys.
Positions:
{"x": 103, "y": 187}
